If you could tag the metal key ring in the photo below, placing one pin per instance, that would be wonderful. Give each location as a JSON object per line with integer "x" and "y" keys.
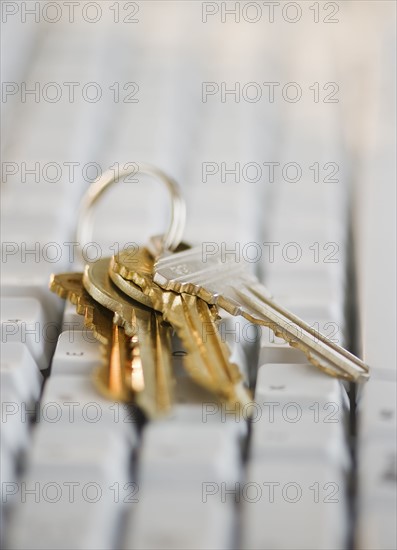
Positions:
{"x": 171, "y": 238}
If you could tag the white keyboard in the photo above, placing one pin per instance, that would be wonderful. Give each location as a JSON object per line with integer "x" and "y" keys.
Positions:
{"x": 278, "y": 120}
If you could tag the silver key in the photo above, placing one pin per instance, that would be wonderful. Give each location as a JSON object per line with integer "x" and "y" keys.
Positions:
{"x": 229, "y": 285}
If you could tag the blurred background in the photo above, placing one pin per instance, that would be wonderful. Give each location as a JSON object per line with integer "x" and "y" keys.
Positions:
{"x": 277, "y": 119}
{"x": 203, "y": 90}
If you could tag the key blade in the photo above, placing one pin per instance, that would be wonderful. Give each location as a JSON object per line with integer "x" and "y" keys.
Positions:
{"x": 208, "y": 358}
{"x": 134, "y": 368}
{"x": 157, "y": 395}
{"x": 112, "y": 377}
{"x": 228, "y": 284}
{"x": 321, "y": 351}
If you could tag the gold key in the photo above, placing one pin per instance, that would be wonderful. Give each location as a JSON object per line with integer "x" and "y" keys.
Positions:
{"x": 113, "y": 376}
{"x": 152, "y": 338}
{"x": 136, "y": 366}
{"x": 208, "y": 358}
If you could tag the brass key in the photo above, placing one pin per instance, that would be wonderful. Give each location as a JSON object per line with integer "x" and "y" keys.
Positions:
{"x": 207, "y": 360}
{"x": 231, "y": 287}
{"x": 113, "y": 377}
{"x": 142, "y": 357}
{"x": 145, "y": 326}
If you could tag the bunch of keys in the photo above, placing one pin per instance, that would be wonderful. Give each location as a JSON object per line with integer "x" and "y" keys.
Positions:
{"x": 133, "y": 318}
{"x": 134, "y": 300}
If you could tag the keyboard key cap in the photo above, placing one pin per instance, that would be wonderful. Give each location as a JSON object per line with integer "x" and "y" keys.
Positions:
{"x": 23, "y": 320}
{"x": 77, "y": 352}
{"x": 377, "y": 410}
{"x": 70, "y": 497}
{"x": 15, "y": 420}
{"x": 282, "y": 431}
{"x": 96, "y": 453}
{"x": 179, "y": 519}
{"x": 280, "y": 496}
{"x": 377, "y": 494}
{"x": 19, "y": 372}
{"x": 72, "y": 400}
{"x": 179, "y": 454}
{"x": 16, "y": 283}
{"x": 298, "y": 382}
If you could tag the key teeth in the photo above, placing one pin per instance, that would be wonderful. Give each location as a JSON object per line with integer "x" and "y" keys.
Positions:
{"x": 314, "y": 360}
{"x": 69, "y": 286}
{"x": 184, "y": 287}
{"x": 167, "y": 284}
{"x": 58, "y": 287}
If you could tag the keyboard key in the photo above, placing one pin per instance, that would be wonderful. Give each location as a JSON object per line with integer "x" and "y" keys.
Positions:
{"x": 16, "y": 284}
{"x": 77, "y": 352}
{"x": 97, "y": 453}
{"x": 377, "y": 410}
{"x": 377, "y": 495}
{"x": 180, "y": 519}
{"x": 182, "y": 453}
{"x": 63, "y": 525}
{"x": 70, "y": 496}
{"x": 282, "y": 431}
{"x": 298, "y": 382}
{"x": 195, "y": 405}
{"x": 377, "y": 527}
{"x": 280, "y": 496}
{"x": 15, "y": 419}
{"x": 19, "y": 372}
{"x": 8, "y": 478}
{"x": 300, "y": 413}
{"x": 72, "y": 400}
{"x": 23, "y": 320}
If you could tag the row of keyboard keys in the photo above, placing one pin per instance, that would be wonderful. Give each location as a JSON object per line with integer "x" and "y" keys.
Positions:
{"x": 373, "y": 140}
{"x": 300, "y": 413}
{"x": 77, "y": 479}
{"x": 298, "y": 462}
{"x": 377, "y": 463}
{"x": 186, "y": 462}
{"x": 21, "y": 382}
{"x": 67, "y": 498}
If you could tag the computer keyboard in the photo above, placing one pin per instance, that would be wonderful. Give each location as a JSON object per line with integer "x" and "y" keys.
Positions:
{"x": 280, "y": 130}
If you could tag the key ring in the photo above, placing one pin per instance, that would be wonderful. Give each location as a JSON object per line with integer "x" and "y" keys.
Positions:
{"x": 169, "y": 241}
